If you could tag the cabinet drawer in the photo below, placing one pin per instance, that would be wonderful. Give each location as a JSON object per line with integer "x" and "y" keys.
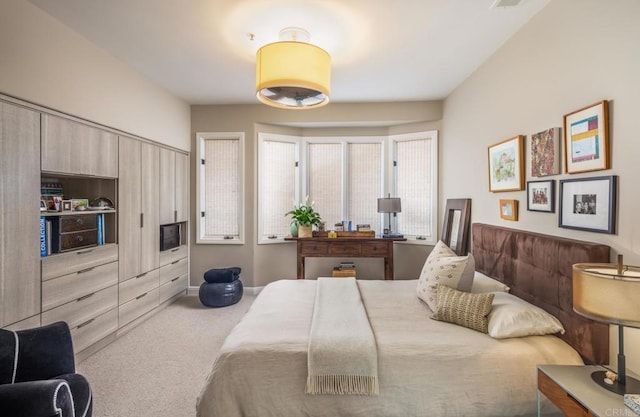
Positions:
{"x": 135, "y": 286}
{"x": 77, "y": 223}
{"x": 558, "y": 396}
{"x": 173, "y": 270}
{"x": 168, "y": 256}
{"x": 63, "y": 264}
{"x": 75, "y": 240}
{"x": 84, "y": 308}
{"x": 138, "y": 306}
{"x": 70, "y": 287}
{"x": 375, "y": 249}
{"x": 29, "y": 323}
{"x": 89, "y": 332}
{"x": 345, "y": 248}
{"x": 173, "y": 287}
{"x": 314, "y": 248}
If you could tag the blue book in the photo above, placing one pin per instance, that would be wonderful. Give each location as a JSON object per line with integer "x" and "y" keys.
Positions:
{"x": 100, "y": 237}
{"x": 43, "y": 237}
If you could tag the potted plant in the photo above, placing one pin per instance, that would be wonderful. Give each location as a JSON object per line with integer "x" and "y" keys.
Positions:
{"x": 304, "y": 217}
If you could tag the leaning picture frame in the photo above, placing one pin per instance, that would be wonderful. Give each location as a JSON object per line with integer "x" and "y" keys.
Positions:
{"x": 586, "y": 139}
{"x": 506, "y": 165}
{"x": 541, "y": 196}
{"x": 589, "y": 204}
{"x": 456, "y": 225}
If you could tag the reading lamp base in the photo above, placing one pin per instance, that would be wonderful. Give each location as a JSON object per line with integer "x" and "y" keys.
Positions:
{"x": 631, "y": 386}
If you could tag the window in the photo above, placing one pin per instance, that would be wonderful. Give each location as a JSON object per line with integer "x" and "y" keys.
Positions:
{"x": 344, "y": 177}
{"x": 278, "y": 184}
{"x": 415, "y": 162}
{"x": 220, "y": 188}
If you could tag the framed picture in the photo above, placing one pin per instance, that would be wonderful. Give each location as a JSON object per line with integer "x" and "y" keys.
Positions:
{"x": 545, "y": 153}
{"x": 66, "y": 205}
{"x": 509, "y": 209}
{"x": 586, "y": 139}
{"x": 589, "y": 204}
{"x": 457, "y": 221}
{"x": 541, "y": 196}
{"x": 79, "y": 204}
{"x": 506, "y": 165}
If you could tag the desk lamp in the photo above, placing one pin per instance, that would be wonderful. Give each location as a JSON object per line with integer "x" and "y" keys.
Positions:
{"x": 610, "y": 293}
{"x": 389, "y": 205}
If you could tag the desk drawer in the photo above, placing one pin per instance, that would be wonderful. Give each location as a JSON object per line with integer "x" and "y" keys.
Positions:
{"x": 89, "y": 332}
{"x": 376, "y": 249}
{"x": 77, "y": 223}
{"x": 345, "y": 249}
{"x": 314, "y": 248}
{"x": 84, "y": 308}
{"x": 560, "y": 397}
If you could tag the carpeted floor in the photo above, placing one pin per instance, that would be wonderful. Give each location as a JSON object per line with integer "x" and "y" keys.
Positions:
{"x": 159, "y": 368}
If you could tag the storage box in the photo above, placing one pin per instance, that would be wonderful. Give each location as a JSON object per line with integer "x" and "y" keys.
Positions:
{"x": 73, "y": 232}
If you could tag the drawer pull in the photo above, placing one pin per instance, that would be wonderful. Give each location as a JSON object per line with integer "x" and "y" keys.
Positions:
{"x": 82, "y": 271}
{"x": 84, "y": 297}
{"x": 175, "y": 262}
{"x": 175, "y": 279}
{"x": 79, "y": 222}
{"x": 141, "y": 275}
{"x": 140, "y": 296}
{"x": 82, "y": 252}
{"x": 85, "y": 323}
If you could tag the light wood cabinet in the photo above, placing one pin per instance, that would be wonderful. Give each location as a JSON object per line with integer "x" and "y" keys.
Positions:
{"x": 174, "y": 186}
{"x": 138, "y": 224}
{"x": 71, "y": 147}
{"x": 19, "y": 214}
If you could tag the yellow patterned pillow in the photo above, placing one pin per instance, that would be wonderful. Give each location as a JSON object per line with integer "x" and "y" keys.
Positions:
{"x": 463, "y": 308}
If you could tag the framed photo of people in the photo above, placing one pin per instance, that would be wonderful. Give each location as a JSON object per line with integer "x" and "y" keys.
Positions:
{"x": 589, "y": 204}
{"x": 586, "y": 138}
{"x": 541, "y": 196}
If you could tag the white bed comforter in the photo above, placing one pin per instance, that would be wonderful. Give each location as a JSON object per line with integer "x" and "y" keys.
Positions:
{"x": 426, "y": 367}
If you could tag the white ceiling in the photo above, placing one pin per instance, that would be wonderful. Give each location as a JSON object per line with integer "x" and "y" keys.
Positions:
{"x": 382, "y": 50}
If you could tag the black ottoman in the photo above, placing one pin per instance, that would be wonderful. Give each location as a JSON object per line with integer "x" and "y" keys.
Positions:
{"x": 222, "y": 287}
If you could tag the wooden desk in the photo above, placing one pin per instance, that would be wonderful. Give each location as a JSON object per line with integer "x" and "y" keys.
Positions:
{"x": 349, "y": 247}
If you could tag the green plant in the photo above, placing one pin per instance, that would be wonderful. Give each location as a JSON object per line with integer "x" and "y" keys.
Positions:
{"x": 304, "y": 215}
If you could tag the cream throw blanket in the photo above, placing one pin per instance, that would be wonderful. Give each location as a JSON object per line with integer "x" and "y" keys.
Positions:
{"x": 342, "y": 357}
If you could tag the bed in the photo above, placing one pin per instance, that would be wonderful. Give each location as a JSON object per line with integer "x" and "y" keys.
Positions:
{"x": 425, "y": 367}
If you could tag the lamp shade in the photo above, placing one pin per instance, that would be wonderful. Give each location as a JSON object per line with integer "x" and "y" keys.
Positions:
{"x": 293, "y": 75}
{"x": 389, "y": 205}
{"x": 607, "y": 293}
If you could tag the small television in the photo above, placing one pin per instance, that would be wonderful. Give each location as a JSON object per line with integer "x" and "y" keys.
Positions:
{"x": 170, "y": 236}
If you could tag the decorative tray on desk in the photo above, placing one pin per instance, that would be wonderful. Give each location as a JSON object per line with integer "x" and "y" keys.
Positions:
{"x": 368, "y": 234}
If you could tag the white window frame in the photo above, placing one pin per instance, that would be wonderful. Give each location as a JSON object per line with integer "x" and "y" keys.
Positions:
{"x": 273, "y": 137}
{"x": 433, "y": 136}
{"x": 201, "y": 137}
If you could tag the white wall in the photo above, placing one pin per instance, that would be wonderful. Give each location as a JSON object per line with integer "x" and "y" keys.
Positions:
{"x": 572, "y": 54}
{"x": 46, "y": 63}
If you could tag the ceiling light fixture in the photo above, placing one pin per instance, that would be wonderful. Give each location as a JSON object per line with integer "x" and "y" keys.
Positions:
{"x": 292, "y": 73}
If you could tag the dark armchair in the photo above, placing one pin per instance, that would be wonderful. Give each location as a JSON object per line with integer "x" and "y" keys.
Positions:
{"x": 37, "y": 374}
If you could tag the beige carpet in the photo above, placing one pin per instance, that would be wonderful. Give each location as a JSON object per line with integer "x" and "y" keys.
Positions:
{"x": 159, "y": 368}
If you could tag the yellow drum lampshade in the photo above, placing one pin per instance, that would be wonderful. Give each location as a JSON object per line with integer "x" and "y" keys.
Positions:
{"x": 293, "y": 75}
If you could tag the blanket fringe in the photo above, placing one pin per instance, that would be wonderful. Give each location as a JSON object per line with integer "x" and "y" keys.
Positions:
{"x": 342, "y": 385}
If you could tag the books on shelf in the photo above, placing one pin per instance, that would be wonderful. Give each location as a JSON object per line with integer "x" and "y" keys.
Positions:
{"x": 43, "y": 236}
{"x": 363, "y": 227}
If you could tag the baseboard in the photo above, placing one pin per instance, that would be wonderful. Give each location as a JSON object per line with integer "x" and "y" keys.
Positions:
{"x": 247, "y": 290}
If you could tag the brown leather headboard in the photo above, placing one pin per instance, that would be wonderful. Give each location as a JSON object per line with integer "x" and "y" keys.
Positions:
{"x": 538, "y": 268}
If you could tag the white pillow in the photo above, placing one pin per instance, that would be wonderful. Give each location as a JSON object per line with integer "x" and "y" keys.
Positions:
{"x": 513, "y": 317}
{"x": 483, "y": 283}
{"x": 441, "y": 267}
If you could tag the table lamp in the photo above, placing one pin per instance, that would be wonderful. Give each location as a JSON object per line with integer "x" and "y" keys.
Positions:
{"x": 610, "y": 293}
{"x": 389, "y": 205}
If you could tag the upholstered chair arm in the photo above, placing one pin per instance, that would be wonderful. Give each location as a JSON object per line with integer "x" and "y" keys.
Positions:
{"x": 45, "y": 352}
{"x": 36, "y": 398}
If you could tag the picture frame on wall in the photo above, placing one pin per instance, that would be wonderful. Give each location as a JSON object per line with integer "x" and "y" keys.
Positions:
{"x": 545, "y": 152}
{"x": 589, "y": 204}
{"x": 541, "y": 196}
{"x": 586, "y": 139}
{"x": 509, "y": 209}
{"x": 506, "y": 165}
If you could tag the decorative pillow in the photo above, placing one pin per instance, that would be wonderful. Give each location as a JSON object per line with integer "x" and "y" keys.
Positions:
{"x": 443, "y": 267}
{"x": 483, "y": 283}
{"x": 463, "y": 308}
{"x": 513, "y": 317}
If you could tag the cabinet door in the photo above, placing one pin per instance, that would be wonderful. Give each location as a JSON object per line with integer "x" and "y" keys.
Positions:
{"x": 129, "y": 208}
{"x": 182, "y": 187}
{"x": 150, "y": 194}
{"x": 19, "y": 213}
{"x": 74, "y": 148}
{"x": 167, "y": 186}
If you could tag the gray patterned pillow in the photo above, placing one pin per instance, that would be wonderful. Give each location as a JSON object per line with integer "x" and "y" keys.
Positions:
{"x": 463, "y": 308}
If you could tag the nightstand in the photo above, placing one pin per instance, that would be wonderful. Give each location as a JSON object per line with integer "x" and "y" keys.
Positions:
{"x": 571, "y": 389}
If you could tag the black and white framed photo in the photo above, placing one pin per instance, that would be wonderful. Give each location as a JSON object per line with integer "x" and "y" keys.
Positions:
{"x": 589, "y": 204}
{"x": 541, "y": 196}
